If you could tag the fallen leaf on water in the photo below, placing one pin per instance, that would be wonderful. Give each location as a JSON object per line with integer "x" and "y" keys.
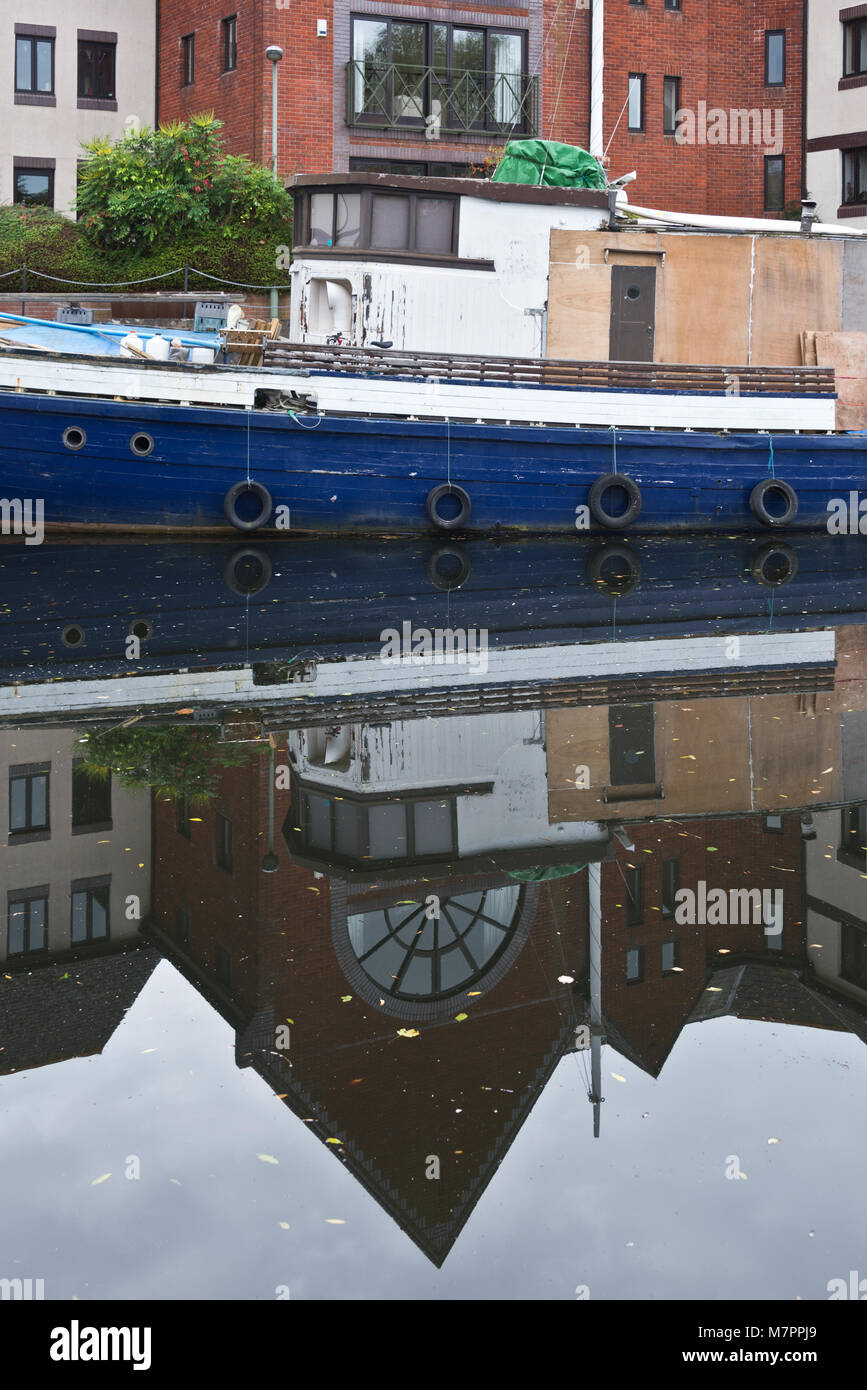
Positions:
{"x": 617, "y": 1076}
{"x": 148, "y": 1049}
{"x": 97, "y": 1181}
{"x": 712, "y": 849}
{"x": 470, "y": 992}
{"x": 184, "y": 711}
{"x": 334, "y": 1141}
{"x": 714, "y": 989}
{"x": 743, "y": 1175}
{"x": 345, "y": 998}
{"x": 284, "y": 1225}
{"x": 334, "y": 1221}
{"x": 775, "y": 1141}
{"x": 268, "y": 1158}
{"x": 459, "y": 1018}
{"x": 407, "y": 1032}
{"x": 175, "y": 1181}
{"x": 565, "y": 979}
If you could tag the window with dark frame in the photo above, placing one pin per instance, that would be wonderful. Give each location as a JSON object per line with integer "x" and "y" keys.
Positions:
{"x": 853, "y": 954}
{"x": 672, "y": 4}
{"x": 634, "y": 965}
{"x": 853, "y": 831}
{"x": 775, "y": 57}
{"x": 670, "y": 104}
{"x": 670, "y": 886}
{"x": 224, "y": 842}
{"x": 670, "y": 957}
{"x": 438, "y": 169}
{"x": 634, "y": 883}
{"x": 182, "y": 822}
{"x": 635, "y": 115}
{"x": 411, "y": 72}
{"x": 417, "y": 222}
{"x": 230, "y": 43}
{"x": 775, "y": 182}
{"x": 96, "y": 70}
{"x": 380, "y": 831}
{"x": 34, "y": 65}
{"x": 29, "y": 809}
{"x": 855, "y": 176}
{"x": 90, "y": 913}
{"x": 773, "y": 824}
{"x": 188, "y": 59}
{"x": 91, "y": 799}
{"x": 27, "y": 922}
{"x": 33, "y": 187}
{"x": 855, "y": 48}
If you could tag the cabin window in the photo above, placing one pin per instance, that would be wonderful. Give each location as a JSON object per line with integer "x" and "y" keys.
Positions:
{"x": 425, "y": 223}
{"x": 380, "y": 832}
{"x": 96, "y": 70}
{"x": 775, "y": 166}
{"x": 34, "y": 187}
{"x": 34, "y": 65}
{"x": 230, "y": 43}
{"x": 27, "y": 921}
{"x": 855, "y": 175}
{"x": 439, "y": 169}
{"x": 670, "y": 104}
{"x": 188, "y": 59}
{"x": 438, "y": 76}
{"x": 775, "y": 57}
{"x": 636, "y": 101}
{"x": 855, "y": 48}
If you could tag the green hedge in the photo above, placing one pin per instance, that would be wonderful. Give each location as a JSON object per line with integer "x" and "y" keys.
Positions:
{"x": 45, "y": 241}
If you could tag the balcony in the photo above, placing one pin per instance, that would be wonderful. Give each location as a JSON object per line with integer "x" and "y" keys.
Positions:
{"x": 435, "y": 102}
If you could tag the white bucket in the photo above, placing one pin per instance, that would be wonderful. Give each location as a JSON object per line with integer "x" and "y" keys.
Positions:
{"x": 157, "y": 348}
{"x": 202, "y": 355}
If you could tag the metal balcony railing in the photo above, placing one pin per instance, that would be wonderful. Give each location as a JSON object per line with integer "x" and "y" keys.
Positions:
{"x": 388, "y": 96}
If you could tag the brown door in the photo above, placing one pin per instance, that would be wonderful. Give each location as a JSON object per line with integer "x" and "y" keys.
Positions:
{"x": 633, "y": 301}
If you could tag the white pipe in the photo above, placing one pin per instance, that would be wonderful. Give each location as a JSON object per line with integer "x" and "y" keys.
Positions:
{"x": 594, "y": 890}
{"x": 597, "y": 65}
{"x": 734, "y": 224}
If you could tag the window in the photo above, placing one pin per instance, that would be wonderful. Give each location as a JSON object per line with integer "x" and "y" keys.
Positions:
{"x": 670, "y": 104}
{"x": 223, "y": 966}
{"x": 90, "y": 903}
{"x": 672, "y": 4}
{"x": 773, "y": 825}
{"x": 424, "y": 223}
{"x": 34, "y": 187}
{"x": 27, "y": 921}
{"x": 91, "y": 800}
{"x": 414, "y": 168}
{"x": 28, "y": 799}
{"x": 182, "y": 927}
{"x": 96, "y": 70}
{"x": 853, "y": 955}
{"x": 670, "y": 957}
{"x": 855, "y": 175}
{"x": 775, "y": 179}
{"x": 437, "y": 76}
{"x": 224, "y": 842}
{"x": 670, "y": 885}
{"x": 635, "y": 119}
{"x": 230, "y": 43}
{"x": 380, "y": 831}
{"x": 855, "y": 48}
{"x": 182, "y": 823}
{"x": 34, "y": 65}
{"x": 634, "y": 965}
{"x": 853, "y": 831}
{"x": 634, "y": 896}
{"x": 775, "y": 57}
{"x": 188, "y": 58}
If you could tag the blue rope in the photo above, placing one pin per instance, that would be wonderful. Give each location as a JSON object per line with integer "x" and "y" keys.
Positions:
{"x": 613, "y": 429}
{"x": 771, "y": 458}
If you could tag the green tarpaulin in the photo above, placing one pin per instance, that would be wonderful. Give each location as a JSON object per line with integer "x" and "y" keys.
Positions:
{"x": 542, "y": 875}
{"x": 548, "y": 162}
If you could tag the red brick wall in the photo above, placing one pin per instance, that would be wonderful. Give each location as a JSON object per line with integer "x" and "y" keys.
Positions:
{"x": 718, "y": 51}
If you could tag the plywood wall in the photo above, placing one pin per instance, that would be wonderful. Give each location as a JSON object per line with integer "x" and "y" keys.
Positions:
{"x": 728, "y": 300}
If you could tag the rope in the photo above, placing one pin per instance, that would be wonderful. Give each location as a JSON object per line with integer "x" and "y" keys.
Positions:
{"x": 771, "y": 458}
{"x": 614, "y": 131}
{"x": 146, "y": 280}
{"x": 301, "y": 424}
{"x": 613, "y": 429}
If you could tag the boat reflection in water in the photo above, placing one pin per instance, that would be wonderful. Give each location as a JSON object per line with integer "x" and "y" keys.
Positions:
{"x": 588, "y": 846}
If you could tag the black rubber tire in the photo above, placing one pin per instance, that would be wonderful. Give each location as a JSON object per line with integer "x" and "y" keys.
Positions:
{"x": 230, "y": 506}
{"x": 760, "y": 511}
{"x": 759, "y": 560}
{"x": 598, "y": 491}
{"x": 230, "y": 573}
{"x": 448, "y": 490}
{"x": 614, "y": 588}
{"x": 443, "y": 582}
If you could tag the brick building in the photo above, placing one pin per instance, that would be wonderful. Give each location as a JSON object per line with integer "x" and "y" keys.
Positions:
{"x": 437, "y": 89}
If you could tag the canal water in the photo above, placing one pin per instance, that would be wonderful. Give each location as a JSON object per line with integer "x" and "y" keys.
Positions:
{"x": 459, "y": 921}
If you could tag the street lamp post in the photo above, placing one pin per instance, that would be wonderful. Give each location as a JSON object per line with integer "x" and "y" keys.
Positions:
{"x": 273, "y": 53}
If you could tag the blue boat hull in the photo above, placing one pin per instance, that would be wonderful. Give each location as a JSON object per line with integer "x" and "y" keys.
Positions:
{"x": 334, "y": 475}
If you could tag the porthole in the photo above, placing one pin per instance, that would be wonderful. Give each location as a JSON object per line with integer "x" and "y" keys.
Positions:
{"x": 140, "y": 628}
{"x": 633, "y": 292}
{"x": 72, "y": 635}
{"x": 74, "y": 437}
{"x": 141, "y": 444}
